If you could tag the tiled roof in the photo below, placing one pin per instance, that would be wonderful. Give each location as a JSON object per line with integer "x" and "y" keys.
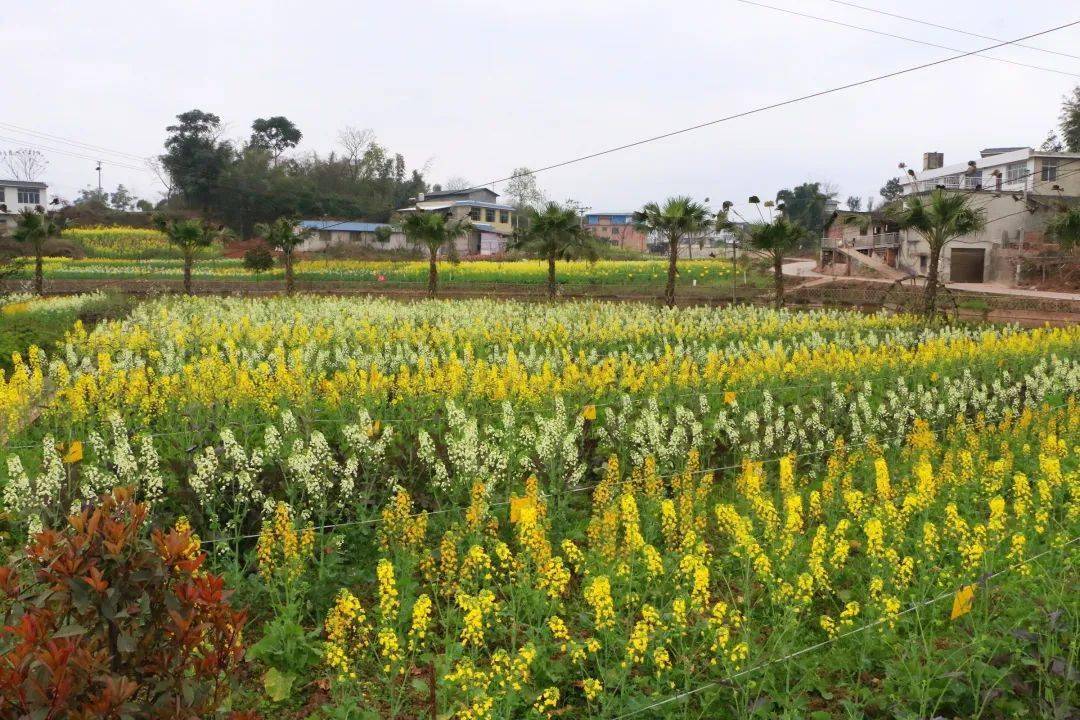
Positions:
{"x": 342, "y": 226}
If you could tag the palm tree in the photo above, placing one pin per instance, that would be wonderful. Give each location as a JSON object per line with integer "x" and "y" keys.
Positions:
{"x": 435, "y": 231}
{"x": 35, "y": 227}
{"x": 284, "y": 234}
{"x": 1065, "y": 228}
{"x": 679, "y": 216}
{"x": 776, "y": 239}
{"x": 555, "y": 233}
{"x": 939, "y": 219}
{"x": 190, "y": 236}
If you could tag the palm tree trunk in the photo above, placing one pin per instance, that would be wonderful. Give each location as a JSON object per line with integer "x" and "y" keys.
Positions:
{"x": 551, "y": 277}
{"x": 290, "y": 283}
{"x": 778, "y": 278}
{"x": 433, "y": 272}
{"x": 189, "y": 260}
{"x": 673, "y": 259}
{"x": 39, "y": 273}
{"x": 930, "y": 305}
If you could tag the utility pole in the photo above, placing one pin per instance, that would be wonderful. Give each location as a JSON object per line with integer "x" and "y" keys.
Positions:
{"x": 99, "y": 178}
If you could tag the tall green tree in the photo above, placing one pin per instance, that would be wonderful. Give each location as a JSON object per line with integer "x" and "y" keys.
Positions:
{"x": 938, "y": 218}
{"x": 275, "y": 135}
{"x": 1064, "y": 227}
{"x": 892, "y": 189}
{"x": 776, "y": 240}
{"x": 436, "y": 232}
{"x": 190, "y": 236}
{"x": 285, "y": 234}
{"x": 1070, "y": 120}
{"x": 807, "y": 205}
{"x": 34, "y": 227}
{"x": 555, "y": 233}
{"x": 678, "y": 217}
{"x": 195, "y": 158}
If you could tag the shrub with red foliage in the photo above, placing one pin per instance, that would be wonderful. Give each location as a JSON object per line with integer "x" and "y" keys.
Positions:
{"x": 106, "y": 622}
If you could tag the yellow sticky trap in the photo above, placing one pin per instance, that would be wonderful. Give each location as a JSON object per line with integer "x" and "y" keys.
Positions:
{"x": 729, "y": 398}
{"x": 962, "y": 601}
{"x": 522, "y": 508}
{"x": 589, "y": 412}
{"x": 74, "y": 452}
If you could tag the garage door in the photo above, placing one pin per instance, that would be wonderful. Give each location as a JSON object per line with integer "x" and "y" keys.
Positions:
{"x": 967, "y": 265}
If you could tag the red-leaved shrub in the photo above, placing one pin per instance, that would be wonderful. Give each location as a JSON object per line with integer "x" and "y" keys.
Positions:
{"x": 101, "y": 620}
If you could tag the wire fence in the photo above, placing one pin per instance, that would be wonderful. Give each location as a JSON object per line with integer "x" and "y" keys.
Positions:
{"x": 586, "y": 488}
{"x": 914, "y": 607}
{"x": 395, "y": 413}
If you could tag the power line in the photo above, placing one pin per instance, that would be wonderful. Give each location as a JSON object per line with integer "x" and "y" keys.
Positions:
{"x": 45, "y": 148}
{"x": 950, "y": 29}
{"x": 771, "y": 106}
{"x": 68, "y": 141}
{"x": 782, "y": 103}
{"x": 902, "y": 37}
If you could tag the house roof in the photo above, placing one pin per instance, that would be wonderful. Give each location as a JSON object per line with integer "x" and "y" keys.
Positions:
{"x": 478, "y": 203}
{"x": 339, "y": 226}
{"x": 23, "y": 184}
{"x": 443, "y": 204}
{"x": 989, "y": 152}
{"x": 487, "y": 228}
{"x": 451, "y": 193}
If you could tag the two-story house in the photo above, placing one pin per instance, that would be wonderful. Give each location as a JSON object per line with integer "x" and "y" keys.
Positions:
{"x": 492, "y": 222}
{"x": 19, "y": 195}
{"x": 1018, "y": 189}
{"x": 617, "y": 228}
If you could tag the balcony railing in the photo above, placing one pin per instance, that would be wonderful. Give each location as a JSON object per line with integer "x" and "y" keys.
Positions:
{"x": 965, "y": 182}
{"x": 863, "y": 242}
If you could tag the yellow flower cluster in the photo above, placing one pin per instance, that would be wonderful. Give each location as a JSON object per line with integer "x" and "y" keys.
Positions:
{"x": 283, "y": 551}
{"x": 347, "y": 636}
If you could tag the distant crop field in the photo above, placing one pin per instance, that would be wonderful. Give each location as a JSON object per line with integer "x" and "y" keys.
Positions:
{"x": 127, "y": 243}
{"x": 603, "y": 273}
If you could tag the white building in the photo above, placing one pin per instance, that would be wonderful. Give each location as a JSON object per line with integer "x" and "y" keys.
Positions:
{"x": 335, "y": 233}
{"x": 1018, "y": 189}
{"x": 19, "y": 195}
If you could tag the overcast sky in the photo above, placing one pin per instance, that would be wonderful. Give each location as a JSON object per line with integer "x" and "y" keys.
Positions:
{"x": 476, "y": 88}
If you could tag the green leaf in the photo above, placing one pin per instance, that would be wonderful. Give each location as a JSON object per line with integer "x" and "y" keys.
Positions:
{"x": 125, "y": 643}
{"x": 820, "y": 715}
{"x": 278, "y": 684}
{"x": 69, "y": 630}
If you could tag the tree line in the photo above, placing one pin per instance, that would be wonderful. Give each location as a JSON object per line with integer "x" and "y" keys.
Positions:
{"x": 248, "y": 182}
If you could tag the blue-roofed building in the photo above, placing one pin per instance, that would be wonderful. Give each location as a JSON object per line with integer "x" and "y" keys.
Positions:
{"x": 343, "y": 233}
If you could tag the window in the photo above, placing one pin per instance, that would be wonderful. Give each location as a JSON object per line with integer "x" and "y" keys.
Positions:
{"x": 616, "y": 231}
{"x": 474, "y": 213}
{"x": 29, "y": 197}
{"x": 489, "y": 215}
{"x": 923, "y": 262}
{"x": 1015, "y": 172}
{"x": 1049, "y": 169}
{"x": 593, "y": 220}
{"x": 2, "y": 195}
{"x": 504, "y": 216}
